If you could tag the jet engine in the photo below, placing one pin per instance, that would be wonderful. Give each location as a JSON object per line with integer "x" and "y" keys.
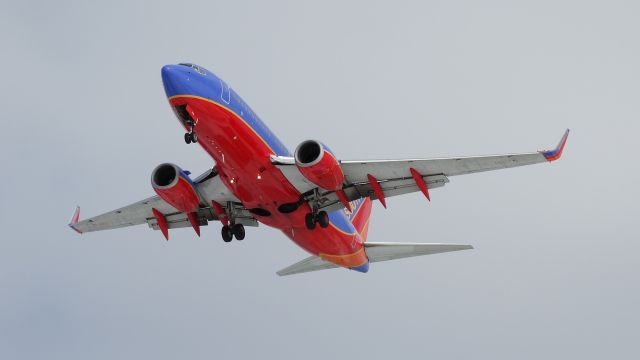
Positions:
{"x": 173, "y": 185}
{"x": 317, "y": 163}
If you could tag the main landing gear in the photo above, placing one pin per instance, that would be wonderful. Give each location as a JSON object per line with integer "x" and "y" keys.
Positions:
{"x": 316, "y": 216}
{"x": 321, "y": 218}
{"x": 228, "y": 232}
{"x": 234, "y": 229}
{"x": 191, "y": 136}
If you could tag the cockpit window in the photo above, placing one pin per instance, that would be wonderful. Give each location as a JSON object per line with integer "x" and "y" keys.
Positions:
{"x": 195, "y": 67}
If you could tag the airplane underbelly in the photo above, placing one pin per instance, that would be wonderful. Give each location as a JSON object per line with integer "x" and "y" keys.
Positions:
{"x": 243, "y": 161}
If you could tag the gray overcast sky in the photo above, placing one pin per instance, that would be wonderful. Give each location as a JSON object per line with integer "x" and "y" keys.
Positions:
{"x": 555, "y": 269}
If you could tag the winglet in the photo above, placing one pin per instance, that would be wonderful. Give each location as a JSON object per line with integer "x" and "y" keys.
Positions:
{"x": 552, "y": 155}
{"x": 74, "y": 220}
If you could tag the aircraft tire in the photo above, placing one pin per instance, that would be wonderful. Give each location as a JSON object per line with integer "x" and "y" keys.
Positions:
{"x": 309, "y": 221}
{"x": 194, "y": 138}
{"x": 323, "y": 219}
{"x": 238, "y": 231}
{"x": 227, "y": 234}
{"x": 187, "y": 138}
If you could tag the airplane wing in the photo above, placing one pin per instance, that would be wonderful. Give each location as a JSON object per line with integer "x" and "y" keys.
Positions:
{"x": 376, "y": 252}
{"x": 380, "y": 179}
{"x": 208, "y": 186}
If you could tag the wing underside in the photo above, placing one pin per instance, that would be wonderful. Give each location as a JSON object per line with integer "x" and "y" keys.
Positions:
{"x": 208, "y": 186}
{"x": 397, "y": 177}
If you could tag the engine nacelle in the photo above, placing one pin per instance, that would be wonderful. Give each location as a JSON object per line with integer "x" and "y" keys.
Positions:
{"x": 317, "y": 163}
{"x": 173, "y": 185}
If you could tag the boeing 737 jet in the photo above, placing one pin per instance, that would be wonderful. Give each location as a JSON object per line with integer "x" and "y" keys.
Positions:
{"x": 320, "y": 202}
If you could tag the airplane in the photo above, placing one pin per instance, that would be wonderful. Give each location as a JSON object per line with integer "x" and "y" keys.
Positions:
{"x": 321, "y": 203}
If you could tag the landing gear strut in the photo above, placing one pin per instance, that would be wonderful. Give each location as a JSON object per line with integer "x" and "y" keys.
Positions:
{"x": 191, "y": 136}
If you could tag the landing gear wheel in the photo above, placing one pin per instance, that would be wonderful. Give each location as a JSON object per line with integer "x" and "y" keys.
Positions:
{"x": 187, "y": 138}
{"x": 227, "y": 234}
{"x": 309, "y": 221}
{"x": 194, "y": 138}
{"x": 238, "y": 231}
{"x": 323, "y": 219}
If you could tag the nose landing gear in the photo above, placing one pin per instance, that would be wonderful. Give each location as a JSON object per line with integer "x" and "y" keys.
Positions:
{"x": 191, "y": 136}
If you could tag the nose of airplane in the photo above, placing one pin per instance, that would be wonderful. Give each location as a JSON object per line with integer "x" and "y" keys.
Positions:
{"x": 187, "y": 79}
{"x": 172, "y": 79}
{"x": 167, "y": 71}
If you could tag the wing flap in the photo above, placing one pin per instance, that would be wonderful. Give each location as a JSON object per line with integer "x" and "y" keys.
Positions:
{"x": 205, "y": 214}
{"x": 392, "y": 187}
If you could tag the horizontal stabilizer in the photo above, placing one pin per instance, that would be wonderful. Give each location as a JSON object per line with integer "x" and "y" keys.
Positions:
{"x": 391, "y": 251}
{"x": 312, "y": 263}
{"x": 376, "y": 252}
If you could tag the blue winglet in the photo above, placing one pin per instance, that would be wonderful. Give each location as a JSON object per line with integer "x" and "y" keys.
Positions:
{"x": 552, "y": 155}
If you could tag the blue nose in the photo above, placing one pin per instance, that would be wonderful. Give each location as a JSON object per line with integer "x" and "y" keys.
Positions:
{"x": 173, "y": 79}
{"x": 167, "y": 72}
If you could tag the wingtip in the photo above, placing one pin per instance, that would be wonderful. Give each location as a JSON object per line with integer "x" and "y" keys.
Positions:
{"x": 555, "y": 154}
{"x": 75, "y": 219}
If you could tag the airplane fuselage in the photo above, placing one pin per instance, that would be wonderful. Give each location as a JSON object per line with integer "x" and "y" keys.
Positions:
{"x": 321, "y": 203}
{"x": 241, "y": 146}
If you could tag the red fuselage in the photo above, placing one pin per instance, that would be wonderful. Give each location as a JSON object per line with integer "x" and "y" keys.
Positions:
{"x": 241, "y": 147}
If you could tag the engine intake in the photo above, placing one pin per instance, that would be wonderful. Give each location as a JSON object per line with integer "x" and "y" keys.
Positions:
{"x": 318, "y": 165}
{"x": 173, "y": 185}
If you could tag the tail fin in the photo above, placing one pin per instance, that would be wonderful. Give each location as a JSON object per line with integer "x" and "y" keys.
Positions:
{"x": 359, "y": 217}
